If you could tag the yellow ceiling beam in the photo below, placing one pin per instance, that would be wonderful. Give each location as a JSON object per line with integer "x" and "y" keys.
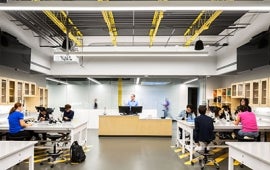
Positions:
{"x": 199, "y": 25}
{"x": 61, "y": 20}
{"x": 155, "y": 25}
{"x": 158, "y": 15}
{"x": 109, "y": 20}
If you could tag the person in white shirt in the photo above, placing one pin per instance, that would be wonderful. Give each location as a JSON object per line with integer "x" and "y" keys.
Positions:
{"x": 132, "y": 101}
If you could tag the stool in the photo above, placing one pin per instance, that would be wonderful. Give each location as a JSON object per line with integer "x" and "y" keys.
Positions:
{"x": 204, "y": 158}
{"x": 54, "y": 154}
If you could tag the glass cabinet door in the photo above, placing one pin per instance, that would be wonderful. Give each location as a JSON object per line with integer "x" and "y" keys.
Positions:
{"x": 33, "y": 89}
{"x": 19, "y": 91}
{"x": 263, "y": 92}
{"x": 247, "y": 90}
{"x": 26, "y": 89}
{"x": 4, "y": 91}
{"x": 41, "y": 97}
{"x": 11, "y": 86}
{"x": 255, "y": 93}
{"x": 233, "y": 90}
{"x": 240, "y": 89}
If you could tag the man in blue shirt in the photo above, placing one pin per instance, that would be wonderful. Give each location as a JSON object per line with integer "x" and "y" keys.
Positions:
{"x": 132, "y": 101}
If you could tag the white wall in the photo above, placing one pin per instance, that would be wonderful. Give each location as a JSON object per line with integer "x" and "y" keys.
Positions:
{"x": 8, "y": 72}
{"x": 150, "y": 97}
{"x": 139, "y": 66}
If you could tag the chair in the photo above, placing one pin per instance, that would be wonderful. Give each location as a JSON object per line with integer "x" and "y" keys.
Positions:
{"x": 55, "y": 154}
{"x": 206, "y": 156}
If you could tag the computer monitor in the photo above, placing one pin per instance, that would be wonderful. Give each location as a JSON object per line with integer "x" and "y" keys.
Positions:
{"x": 40, "y": 108}
{"x": 136, "y": 109}
{"x": 62, "y": 109}
{"x": 49, "y": 110}
{"x": 124, "y": 109}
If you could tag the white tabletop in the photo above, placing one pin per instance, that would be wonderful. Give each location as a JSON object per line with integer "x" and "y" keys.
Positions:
{"x": 260, "y": 150}
{"x": 44, "y": 125}
{"x": 12, "y": 147}
{"x": 223, "y": 124}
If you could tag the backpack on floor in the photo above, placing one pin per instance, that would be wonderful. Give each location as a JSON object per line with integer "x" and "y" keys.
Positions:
{"x": 77, "y": 154}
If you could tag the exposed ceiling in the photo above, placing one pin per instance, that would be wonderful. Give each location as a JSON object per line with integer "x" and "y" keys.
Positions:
{"x": 127, "y": 23}
{"x": 135, "y": 24}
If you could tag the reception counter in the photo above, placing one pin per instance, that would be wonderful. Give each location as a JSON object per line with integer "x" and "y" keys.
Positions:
{"x": 115, "y": 125}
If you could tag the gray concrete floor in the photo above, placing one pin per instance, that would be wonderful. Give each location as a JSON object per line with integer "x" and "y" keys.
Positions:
{"x": 129, "y": 153}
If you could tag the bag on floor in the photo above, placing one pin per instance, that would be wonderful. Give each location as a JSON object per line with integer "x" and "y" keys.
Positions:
{"x": 77, "y": 154}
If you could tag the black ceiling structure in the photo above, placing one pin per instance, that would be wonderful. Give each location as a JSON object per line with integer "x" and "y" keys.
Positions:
{"x": 127, "y": 23}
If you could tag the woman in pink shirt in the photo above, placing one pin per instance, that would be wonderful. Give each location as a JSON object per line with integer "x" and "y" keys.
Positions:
{"x": 248, "y": 121}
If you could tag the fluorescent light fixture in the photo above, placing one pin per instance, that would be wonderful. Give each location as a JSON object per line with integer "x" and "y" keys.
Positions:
{"x": 138, "y": 80}
{"x": 137, "y": 54}
{"x": 189, "y": 81}
{"x": 57, "y": 81}
{"x": 93, "y": 80}
{"x": 135, "y": 5}
{"x": 154, "y": 83}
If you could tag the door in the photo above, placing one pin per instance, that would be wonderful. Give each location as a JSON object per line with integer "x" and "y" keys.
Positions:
{"x": 193, "y": 97}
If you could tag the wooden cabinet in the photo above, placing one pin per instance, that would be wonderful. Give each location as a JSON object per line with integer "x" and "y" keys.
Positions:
{"x": 19, "y": 91}
{"x": 264, "y": 92}
{"x": 12, "y": 91}
{"x": 29, "y": 89}
{"x": 237, "y": 90}
{"x": 43, "y": 96}
{"x": 247, "y": 87}
{"x": 257, "y": 91}
{"x": 221, "y": 96}
{"x": 260, "y": 92}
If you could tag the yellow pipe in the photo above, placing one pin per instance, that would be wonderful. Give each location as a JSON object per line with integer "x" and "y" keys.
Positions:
{"x": 193, "y": 23}
{"x": 60, "y": 24}
{"x": 120, "y": 90}
{"x": 205, "y": 26}
{"x": 156, "y": 22}
{"x": 109, "y": 20}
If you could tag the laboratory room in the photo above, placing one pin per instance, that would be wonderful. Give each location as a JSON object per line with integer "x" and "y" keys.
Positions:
{"x": 141, "y": 85}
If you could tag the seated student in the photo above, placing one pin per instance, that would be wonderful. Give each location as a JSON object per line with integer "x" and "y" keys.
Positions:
{"x": 248, "y": 121}
{"x": 204, "y": 129}
{"x": 43, "y": 116}
{"x": 17, "y": 123}
{"x": 68, "y": 113}
{"x": 226, "y": 113}
{"x": 187, "y": 114}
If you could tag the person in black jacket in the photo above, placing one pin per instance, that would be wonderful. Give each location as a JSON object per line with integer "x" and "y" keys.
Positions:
{"x": 43, "y": 116}
{"x": 68, "y": 113}
{"x": 204, "y": 128}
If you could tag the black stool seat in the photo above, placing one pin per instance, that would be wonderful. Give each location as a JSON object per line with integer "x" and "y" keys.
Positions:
{"x": 53, "y": 137}
{"x": 16, "y": 138}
